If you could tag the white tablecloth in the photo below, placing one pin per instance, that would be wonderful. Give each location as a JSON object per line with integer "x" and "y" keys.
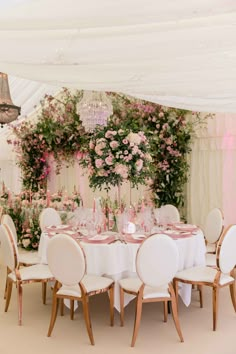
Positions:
{"x": 117, "y": 260}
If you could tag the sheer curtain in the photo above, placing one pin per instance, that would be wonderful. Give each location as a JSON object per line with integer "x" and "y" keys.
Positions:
{"x": 75, "y": 177}
{"x": 212, "y": 181}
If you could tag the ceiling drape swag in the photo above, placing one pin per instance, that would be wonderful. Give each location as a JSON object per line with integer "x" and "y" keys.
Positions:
{"x": 180, "y": 56}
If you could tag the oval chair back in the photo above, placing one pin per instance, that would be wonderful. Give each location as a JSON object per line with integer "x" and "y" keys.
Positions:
{"x": 9, "y": 248}
{"x": 226, "y": 250}
{"x": 157, "y": 260}
{"x": 7, "y": 219}
{"x": 48, "y": 217}
{"x": 213, "y": 226}
{"x": 167, "y": 214}
{"x": 71, "y": 271}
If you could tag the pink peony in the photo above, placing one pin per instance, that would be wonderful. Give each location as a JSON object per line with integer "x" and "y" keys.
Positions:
{"x": 114, "y": 144}
{"x": 121, "y": 170}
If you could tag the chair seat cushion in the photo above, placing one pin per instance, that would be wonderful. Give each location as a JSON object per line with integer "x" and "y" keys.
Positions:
{"x": 202, "y": 274}
{"x": 133, "y": 284}
{"x": 34, "y": 272}
{"x": 91, "y": 283}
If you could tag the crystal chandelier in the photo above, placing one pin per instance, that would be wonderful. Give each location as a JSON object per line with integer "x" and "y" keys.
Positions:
{"x": 94, "y": 109}
{"x": 8, "y": 112}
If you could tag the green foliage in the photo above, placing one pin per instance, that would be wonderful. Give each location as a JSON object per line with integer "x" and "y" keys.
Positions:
{"x": 59, "y": 131}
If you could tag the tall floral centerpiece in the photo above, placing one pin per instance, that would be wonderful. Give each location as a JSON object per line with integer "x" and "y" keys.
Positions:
{"x": 115, "y": 155}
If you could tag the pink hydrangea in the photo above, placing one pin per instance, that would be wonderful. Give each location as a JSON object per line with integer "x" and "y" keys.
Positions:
{"x": 121, "y": 170}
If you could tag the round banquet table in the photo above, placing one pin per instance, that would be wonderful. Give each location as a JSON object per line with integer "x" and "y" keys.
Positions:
{"x": 117, "y": 260}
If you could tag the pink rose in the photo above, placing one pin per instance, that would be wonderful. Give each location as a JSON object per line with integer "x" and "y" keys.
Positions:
{"x": 98, "y": 163}
{"x": 109, "y": 160}
{"x": 109, "y": 134}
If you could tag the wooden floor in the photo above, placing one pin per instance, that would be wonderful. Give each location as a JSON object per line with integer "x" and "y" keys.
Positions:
{"x": 154, "y": 336}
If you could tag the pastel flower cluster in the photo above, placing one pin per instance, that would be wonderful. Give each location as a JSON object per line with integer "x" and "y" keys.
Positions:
{"x": 25, "y": 208}
{"x": 115, "y": 155}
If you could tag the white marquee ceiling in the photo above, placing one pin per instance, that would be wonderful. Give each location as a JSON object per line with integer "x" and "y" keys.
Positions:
{"x": 180, "y": 54}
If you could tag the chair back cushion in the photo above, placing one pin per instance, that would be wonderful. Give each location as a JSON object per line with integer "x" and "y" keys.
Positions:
{"x": 214, "y": 225}
{"x": 226, "y": 251}
{"x": 66, "y": 259}
{"x": 48, "y": 217}
{"x": 157, "y": 260}
{"x": 7, "y": 219}
{"x": 8, "y": 247}
{"x": 167, "y": 214}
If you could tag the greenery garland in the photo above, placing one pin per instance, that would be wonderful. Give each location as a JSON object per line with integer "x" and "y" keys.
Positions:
{"x": 59, "y": 131}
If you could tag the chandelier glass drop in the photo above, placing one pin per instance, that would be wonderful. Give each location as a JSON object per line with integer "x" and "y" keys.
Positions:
{"x": 94, "y": 109}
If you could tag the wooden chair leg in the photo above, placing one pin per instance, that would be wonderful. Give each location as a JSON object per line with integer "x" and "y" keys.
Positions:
{"x": 72, "y": 309}
{"x": 215, "y": 300}
{"x": 19, "y": 296}
{"x": 87, "y": 319}
{"x": 62, "y": 306}
{"x": 111, "y": 297}
{"x": 44, "y": 292}
{"x": 200, "y": 289}
{"x": 5, "y": 291}
{"x": 121, "y": 306}
{"x": 176, "y": 290}
{"x": 175, "y": 312}
{"x": 165, "y": 303}
{"x": 138, "y": 313}
{"x": 232, "y": 289}
{"x": 8, "y": 293}
{"x": 55, "y": 305}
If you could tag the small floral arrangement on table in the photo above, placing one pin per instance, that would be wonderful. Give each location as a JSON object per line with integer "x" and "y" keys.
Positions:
{"x": 25, "y": 208}
{"x": 115, "y": 155}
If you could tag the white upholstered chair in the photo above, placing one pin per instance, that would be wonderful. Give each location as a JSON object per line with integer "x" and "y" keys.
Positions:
{"x": 26, "y": 258}
{"x": 156, "y": 265}
{"x": 218, "y": 277}
{"x": 213, "y": 228}
{"x": 48, "y": 217}
{"x": 167, "y": 214}
{"x": 7, "y": 219}
{"x": 67, "y": 263}
{"x": 20, "y": 276}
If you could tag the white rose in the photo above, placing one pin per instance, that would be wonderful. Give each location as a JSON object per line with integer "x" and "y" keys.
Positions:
{"x": 134, "y": 138}
{"x": 25, "y": 242}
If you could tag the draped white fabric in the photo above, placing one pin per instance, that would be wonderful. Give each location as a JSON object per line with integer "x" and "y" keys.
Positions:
{"x": 180, "y": 55}
{"x": 213, "y": 170}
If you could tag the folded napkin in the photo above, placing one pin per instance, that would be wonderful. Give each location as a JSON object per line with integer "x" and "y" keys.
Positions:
{"x": 99, "y": 237}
